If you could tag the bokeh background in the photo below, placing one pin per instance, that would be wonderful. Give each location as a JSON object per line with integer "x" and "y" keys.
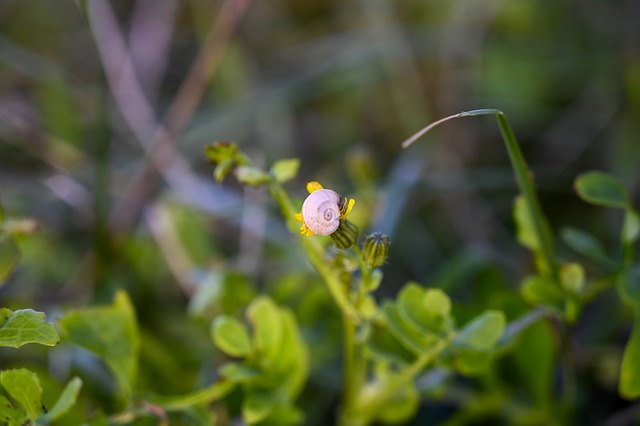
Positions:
{"x": 106, "y": 107}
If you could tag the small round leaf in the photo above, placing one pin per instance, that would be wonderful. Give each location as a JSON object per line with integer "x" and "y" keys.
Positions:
{"x": 602, "y": 189}
{"x": 231, "y": 336}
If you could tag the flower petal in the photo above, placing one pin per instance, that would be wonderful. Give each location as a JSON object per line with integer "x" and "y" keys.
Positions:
{"x": 305, "y": 231}
{"x": 350, "y": 205}
{"x": 313, "y": 187}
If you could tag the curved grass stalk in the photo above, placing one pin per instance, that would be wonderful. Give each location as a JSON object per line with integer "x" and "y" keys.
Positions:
{"x": 523, "y": 177}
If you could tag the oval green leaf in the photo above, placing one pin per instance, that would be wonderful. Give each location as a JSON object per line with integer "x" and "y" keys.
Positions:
{"x": 66, "y": 400}
{"x": 406, "y": 333}
{"x": 256, "y": 408}
{"x": 285, "y": 170}
{"x": 10, "y": 415}
{"x": 401, "y": 406}
{"x": 630, "y": 226}
{"x": 24, "y": 387}
{"x": 24, "y": 326}
{"x": 267, "y": 329}
{"x": 540, "y": 290}
{"x": 629, "y": 386}
{"x": 251, "y": 176}
{"x": 602, "y": 189}
{"x": 483, "y": 332}
{"x": 111, "y": 333}
{"x": 572, "y": 277}
{"x": 427, "y": 309}
{"x": 231, "y": 336}
{"x": 587, "y": 245}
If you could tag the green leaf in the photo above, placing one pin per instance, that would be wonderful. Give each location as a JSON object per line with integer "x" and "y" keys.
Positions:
{"x": 267, "y": 329}
{"x": 284, "y": 415}
{"x": 221, "y": 292}
{"x": 527, "y": 235}
{"x": 385, "y": 347}
{"x": 285, "y": 170}
{"x": 602, "y": 189}
{"x": 427, "y": 309}
{"x": 407, "y": 334}
{"x": 111, "y": 333}
{"x": 410, "y": 303}
{"x": 248, "y": 175}
{"x": 572, "y": 277}
{"x": 629, "y": 386}
{"x": 291, "y": 367}
{"x": 223, "y": 169}
{"x": 24, "y": 387}
{"x": 24, "y": 326}
{"x": 401, "y": 406}
{"x": 587, "y": 245}
{"x": 66, "y": 400}
{"x": 374, "y": 280}
{"x": 628, "y": 285}
{"x": 9, "y": 415}
{"x": 540, "y": 290}
{"x": 472, "y": 362}
{"x": 9, "y": 256}
{"x": 483, "y": 332}
{"x": 437, "y": 304}
{"x": 534, "y": 357}
{"x": 256, "y": 407}
{"x": 630, "y": 226}
{"x": 231, "y": 336}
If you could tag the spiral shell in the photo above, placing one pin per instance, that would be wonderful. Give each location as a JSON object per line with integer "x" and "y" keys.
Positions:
{"x": 321, "y": 211}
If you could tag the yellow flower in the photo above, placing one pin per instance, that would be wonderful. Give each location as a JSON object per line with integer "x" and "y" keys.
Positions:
{"x": 338, "y": 209}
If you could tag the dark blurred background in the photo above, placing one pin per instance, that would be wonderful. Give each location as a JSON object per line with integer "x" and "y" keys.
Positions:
{"x": 106, "y": 107}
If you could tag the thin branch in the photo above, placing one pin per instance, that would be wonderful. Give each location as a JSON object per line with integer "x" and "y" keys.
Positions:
{"x": 158, "y": 139}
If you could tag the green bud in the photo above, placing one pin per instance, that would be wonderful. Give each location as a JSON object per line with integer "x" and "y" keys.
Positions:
{"x": 346, "y": 235}
{"x": 375, "y": 250}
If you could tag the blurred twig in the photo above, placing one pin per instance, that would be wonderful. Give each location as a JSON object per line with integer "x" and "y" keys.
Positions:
{"x": 157, "y": 138}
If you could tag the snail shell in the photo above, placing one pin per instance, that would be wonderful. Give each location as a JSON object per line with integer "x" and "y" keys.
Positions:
{"x": 321, "y": 211}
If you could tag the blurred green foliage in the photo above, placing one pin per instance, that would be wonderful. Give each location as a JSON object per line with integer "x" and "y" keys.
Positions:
{"x": 98, "y": 199}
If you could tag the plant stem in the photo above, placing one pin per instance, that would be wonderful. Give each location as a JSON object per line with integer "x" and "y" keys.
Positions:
{"x": 349, "y": 373}
{"x": 354, "y": 373}
{"x": 526, "y": 185}
{"x": 315, "y": 253}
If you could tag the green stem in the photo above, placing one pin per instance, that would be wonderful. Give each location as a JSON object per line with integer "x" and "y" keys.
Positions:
{"x": 365, "y": 277}
{"x": 214, "y": 392}
{"x": 526, "y": 185}
{"x": 349, "y": 373}
{"x": 523, "y": 177}
{"x": 354, "y": 360}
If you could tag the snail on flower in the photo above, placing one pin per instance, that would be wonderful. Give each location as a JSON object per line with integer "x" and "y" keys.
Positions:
{"x": 323, "y": 210}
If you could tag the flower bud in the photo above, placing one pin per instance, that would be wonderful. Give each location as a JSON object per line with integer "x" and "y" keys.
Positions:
{"x": 375, "y": 250}
{"x": 346, "y": 235}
